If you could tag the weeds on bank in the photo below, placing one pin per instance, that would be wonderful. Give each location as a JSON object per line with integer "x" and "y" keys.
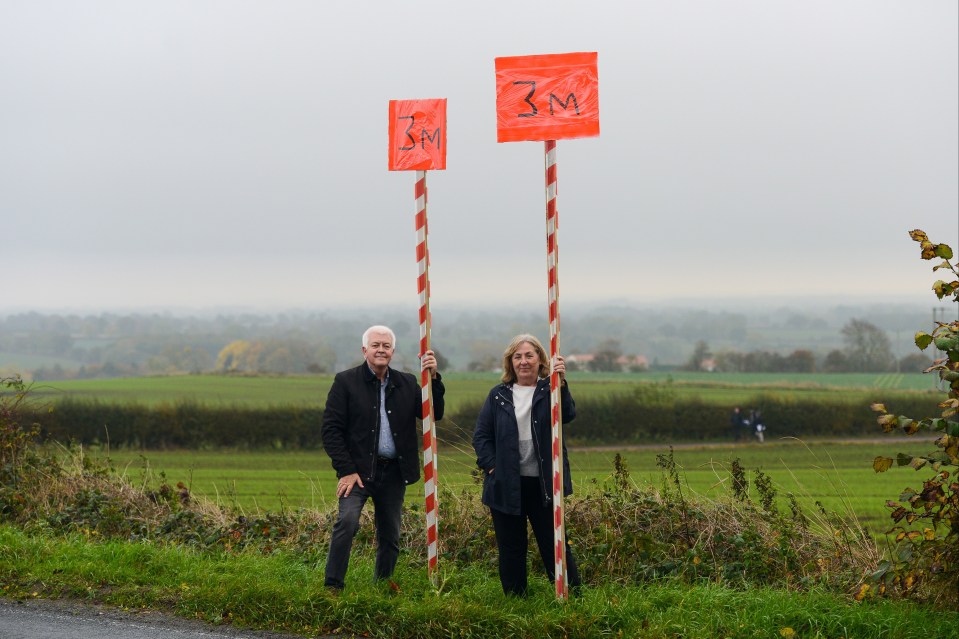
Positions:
{"x": 622, "y": 533}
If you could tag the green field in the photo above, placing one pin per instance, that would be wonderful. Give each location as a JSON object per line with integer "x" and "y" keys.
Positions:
{"x": 839, "y": 475}
{"x": 310, "y": 390}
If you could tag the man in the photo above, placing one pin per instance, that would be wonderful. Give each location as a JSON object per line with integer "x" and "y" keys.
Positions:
{"x": 738, "y": 423}
{"x": 369, "y": 432}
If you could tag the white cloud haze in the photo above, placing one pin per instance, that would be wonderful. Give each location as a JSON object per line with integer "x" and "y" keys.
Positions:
{"x": 200, "y": 153}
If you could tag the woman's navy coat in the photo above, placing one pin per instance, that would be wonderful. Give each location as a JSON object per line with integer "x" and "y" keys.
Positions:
{"x": 496, "y": 442}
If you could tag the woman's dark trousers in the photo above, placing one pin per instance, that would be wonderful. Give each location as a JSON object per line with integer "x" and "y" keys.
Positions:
{"x": 512, "y": 540}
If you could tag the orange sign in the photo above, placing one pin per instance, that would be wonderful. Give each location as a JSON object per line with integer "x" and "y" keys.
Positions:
{"x": 547, "y": 97}
{"x": 417, "y": 135}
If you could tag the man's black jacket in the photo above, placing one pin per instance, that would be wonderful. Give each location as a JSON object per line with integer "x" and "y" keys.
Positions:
{"x": 351, "y": 421}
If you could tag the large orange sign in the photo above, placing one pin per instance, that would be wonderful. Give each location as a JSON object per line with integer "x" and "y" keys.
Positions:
{"x": 417, "y": 135}
{"x": 547, "y": 97}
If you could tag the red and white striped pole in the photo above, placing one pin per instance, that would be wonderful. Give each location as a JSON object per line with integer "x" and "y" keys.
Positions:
{"x": 426, "y": 385}
{"x": 552, "y": 262}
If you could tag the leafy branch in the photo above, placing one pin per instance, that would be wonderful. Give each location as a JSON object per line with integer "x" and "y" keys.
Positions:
{"x": 929, "y": 558}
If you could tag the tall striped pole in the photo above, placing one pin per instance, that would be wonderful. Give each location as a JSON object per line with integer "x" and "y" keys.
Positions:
{"x": 552, "y": 263}
{"x": 426, "y": 384}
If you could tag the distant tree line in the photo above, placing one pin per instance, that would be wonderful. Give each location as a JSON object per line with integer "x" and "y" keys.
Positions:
{"x": 272, "y": 356}
{"x": 867, "y": 350}
{"x": 86, "y": 347}
{"x": 63, "y": 346}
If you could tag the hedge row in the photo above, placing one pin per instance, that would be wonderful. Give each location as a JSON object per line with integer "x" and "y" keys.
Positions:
{"x": 183, "y": 425}
{"x": 638, "y": 418}
{"x": 625, "y": 418}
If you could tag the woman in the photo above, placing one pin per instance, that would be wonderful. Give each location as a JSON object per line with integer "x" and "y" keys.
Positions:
{"x": 513, "y": 445}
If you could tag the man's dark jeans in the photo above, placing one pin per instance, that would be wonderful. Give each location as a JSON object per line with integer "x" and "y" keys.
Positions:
{"x": 387, "y": 491}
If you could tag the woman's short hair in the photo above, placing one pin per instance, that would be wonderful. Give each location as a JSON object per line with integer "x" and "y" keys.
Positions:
{"x": 379, "y": 329}
{"x": 509, "y": 375}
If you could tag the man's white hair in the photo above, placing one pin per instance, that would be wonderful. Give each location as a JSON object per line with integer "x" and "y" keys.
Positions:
{"x": 378, "y": 329}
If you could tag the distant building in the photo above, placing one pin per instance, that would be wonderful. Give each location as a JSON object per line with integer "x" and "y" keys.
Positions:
{"x": 582, "y": 361}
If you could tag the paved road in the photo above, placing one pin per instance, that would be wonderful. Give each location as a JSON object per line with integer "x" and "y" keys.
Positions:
{"x": 41, "y": 619}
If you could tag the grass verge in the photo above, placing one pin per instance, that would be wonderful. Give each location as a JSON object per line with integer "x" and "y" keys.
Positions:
{"x": 282, "y": 592}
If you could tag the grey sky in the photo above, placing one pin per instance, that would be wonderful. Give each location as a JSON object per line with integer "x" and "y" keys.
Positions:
{"x": 184, "y": 154}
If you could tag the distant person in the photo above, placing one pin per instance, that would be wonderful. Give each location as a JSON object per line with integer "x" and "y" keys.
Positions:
{"x": 513, "y": 444}
{"x": 737, "y": 423}
{"x": 369, "y": 432}
{"x": 758, "y": 426}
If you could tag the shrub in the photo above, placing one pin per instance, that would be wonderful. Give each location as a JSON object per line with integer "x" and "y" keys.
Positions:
{"x": 926, "y": 558}
{"x": 17, "y": 450}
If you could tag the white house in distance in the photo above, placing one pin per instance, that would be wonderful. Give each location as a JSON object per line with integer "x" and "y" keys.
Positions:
{"x": 583, "y": 361}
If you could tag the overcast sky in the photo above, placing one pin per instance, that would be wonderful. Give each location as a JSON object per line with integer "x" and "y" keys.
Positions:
{"x": 196, "y": 154}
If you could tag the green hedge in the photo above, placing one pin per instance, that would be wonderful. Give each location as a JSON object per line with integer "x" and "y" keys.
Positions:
{"x": 183, "y": 425}
{"x": 651, "y": 415}
{"x": 640, "y": 418}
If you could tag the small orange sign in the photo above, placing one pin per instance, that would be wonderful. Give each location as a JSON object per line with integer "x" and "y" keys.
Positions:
{"x": 417, "y": 135}
{"x": 547, "y": 97}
